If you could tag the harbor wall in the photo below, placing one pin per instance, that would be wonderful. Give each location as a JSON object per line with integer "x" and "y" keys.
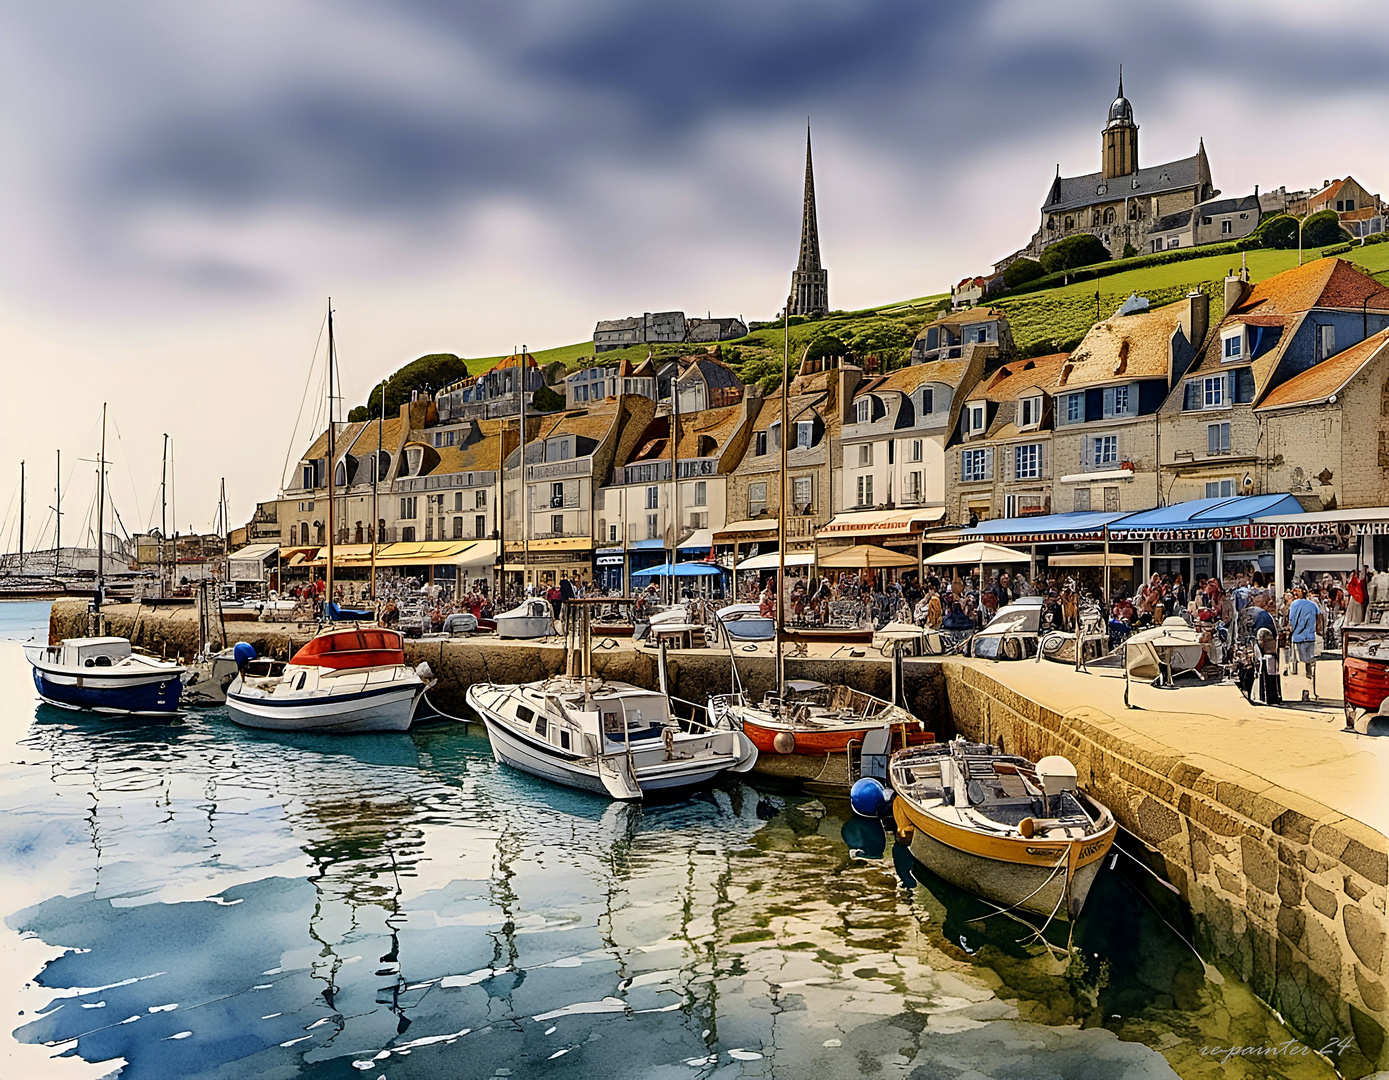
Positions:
{"x": 1287, "y": 893}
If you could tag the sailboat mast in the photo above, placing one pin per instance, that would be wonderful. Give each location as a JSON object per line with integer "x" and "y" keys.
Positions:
{"x": 332, "y": 524}
{"x": 58, "y": 518}
{"x": 674, "y": 474}
{"x": 781, "y": 502}
{"x": 100, "y": 510}
{"x": 376, "y": 488}
{"x": 525, "y": 500}
{"x": 163, "y": 509}
{"x": 21, "y": 517}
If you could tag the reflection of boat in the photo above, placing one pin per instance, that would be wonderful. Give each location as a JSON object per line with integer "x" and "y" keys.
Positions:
{"x": 1164, "y": 651}
{"x": 1019, "y": 835}
{"x": 103, "y": 675}
{"x": 607, "y": 737}
{"x": 1012, "y": 632}
{"x": 347, "y": 679}
{"x": 745, "y": 622}
{"x": 813, "y": 718}
{"x": 532, "y": 619}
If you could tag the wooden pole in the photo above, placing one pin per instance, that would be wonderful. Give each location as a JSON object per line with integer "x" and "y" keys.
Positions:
{"x": 332, "y": 525}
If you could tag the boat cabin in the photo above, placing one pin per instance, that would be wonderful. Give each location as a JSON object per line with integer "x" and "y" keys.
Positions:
{"x": 353, "y": 647}
{"x": 91, "y": 652}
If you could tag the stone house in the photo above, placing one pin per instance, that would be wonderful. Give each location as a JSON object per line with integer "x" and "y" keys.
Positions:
{"x": 1326, "y": 429}
{"x": 1000, "y": 461}
{"x": 1211, "y": 438}
{"x": 636, "y": 526}
{"x": 1211, "y": 222}
{"x": 816, "y": 398}
{"x": 1120, "y": 202}
{"x": 496, "y": 392}
{"x": 895, "y": 432}
{"x": 1108, "y": 394}
{"x": 967, "y": 293}
{"x": 590, "y": 385}
{"x": 706, "y": 383}
{"x": 958, "y": 334}
{"x": 569, "y": 457}
{"x": 711, "y": 329}
{"x": 1348, "y": 198}
{"x": 664, "y": 327}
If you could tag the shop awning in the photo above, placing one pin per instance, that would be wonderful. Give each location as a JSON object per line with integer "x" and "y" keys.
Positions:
{"x": 881, "y": 522}
{"x": 255, "y": 552}
{"x": 1091, "y": 558}
{"x": 1098, "y": 477}
{"x": 684, "y": 569}
{"x": 772, "y": 560}
{"x": 563, "y": 543}
{"x": 1044, "y": 528}
{"x": 416, "y": 553}
{"x": 753, "y": 525}
{"x": 644, "y": 545}
{"x": 1229, "y": 518}
{"x": 700, "y": 540}
{"x": 1367, "y": 521}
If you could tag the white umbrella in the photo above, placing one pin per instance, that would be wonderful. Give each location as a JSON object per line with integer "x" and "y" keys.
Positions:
{"x": 978, "y": 552}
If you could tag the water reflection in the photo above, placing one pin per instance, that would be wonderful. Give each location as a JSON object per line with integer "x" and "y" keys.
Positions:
{"x": 247, "y": 905}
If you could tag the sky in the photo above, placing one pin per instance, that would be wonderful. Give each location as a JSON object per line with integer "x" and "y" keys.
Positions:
{"x": 184, "y": 185}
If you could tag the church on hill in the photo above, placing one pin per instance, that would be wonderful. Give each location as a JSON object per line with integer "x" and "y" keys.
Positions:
{"x": 1123, "y": 202}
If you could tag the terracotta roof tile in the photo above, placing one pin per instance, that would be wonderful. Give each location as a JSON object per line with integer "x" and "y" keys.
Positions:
{"x": 1125, "y": 347}
{"x": 1326, "y": 378}
{"x": 1009, "y": 381}
{"x": 1324, "y": 283}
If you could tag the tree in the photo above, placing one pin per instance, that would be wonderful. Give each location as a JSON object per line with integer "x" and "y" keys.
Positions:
{"x": 1323, "y": 228}
{"x": 1021, "y": 271}
{"x": 1082, "y": 249}
{"x": 547, "y": 400}
{"x": 1278, "y": 231}
{"x": 428, "y": 374}
{"x": 1129, "y": 250}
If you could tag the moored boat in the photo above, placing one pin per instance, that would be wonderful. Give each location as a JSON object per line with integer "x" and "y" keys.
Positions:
{"x": 347, "y": 679}
{"x": 104, "y": 675}
{"x": 745, "y": 622}
{"x": 815, "y": 719}
{"x": 531, "y": 619}
{"x": 1019, "y": 835}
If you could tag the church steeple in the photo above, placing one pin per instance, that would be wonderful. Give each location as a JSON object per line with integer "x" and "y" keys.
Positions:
{"x": 809, "y": 281}
{"x": 1120, "y": 147}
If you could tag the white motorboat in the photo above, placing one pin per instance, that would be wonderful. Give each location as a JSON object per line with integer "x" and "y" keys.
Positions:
{"x": 104, "y": 675}
{"x": 590, "y": 733}
{"x": 1012, "y": 633}
{"x": 533, "y": 619}
{"x": 208, "y": 678}
{"x": 1165, "y": 651}
{"x": 347, "y": 679}
{"x": 745, "y": 622}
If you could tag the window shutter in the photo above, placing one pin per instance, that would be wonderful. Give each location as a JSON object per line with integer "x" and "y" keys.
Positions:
{"x": 1212, "y": 438}
{"x": 1244, "y": 385}
{"x": 989, "y": 463}
{"x": 1108, "y": 402}
{"x": 1193, "y": 396}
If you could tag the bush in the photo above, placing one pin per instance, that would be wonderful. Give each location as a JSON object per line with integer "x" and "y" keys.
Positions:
{"x": 1278, "y": 231}
{"x": 427, "y": 375}
{"x": 1129, "y": 250}
{"x": 1021, "y": 271}
{"x": 547, "y": 400}
{"x": 1074, "y": 251}
{"x": 1323, "y": 228}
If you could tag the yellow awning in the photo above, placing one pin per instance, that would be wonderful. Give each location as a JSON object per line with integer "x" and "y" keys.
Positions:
{"x": 413, "y": 553}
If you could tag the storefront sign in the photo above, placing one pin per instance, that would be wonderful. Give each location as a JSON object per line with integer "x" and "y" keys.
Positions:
{"x": 1257, "y": 531}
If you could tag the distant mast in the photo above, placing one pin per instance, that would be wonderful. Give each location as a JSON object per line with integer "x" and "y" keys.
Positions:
{"x": 100, "y": 511}
{"x": 331, "y": 452}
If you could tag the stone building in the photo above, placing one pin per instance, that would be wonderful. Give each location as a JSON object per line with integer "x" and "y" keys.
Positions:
{"x": 1360, "y": 212}
{"x": 959, "y": 334}
{"x": 1000, "y": 464}
{"x": 638, "y": 524}
{"x": 495, "y": 393}
{"x": 1104, "y": 438}
{"x": 1211, "y": 222}
{"x": 1120, "y": 203}
{"x": 810, "y": 282}
{"x": 1212, "y": 439}
{"x": 706, "y": 383}
{"x": 816, "y": 398}
{"x": 590, "y": 385}
{"x": 664, "y": 327}
{"x": 550, "y": 521}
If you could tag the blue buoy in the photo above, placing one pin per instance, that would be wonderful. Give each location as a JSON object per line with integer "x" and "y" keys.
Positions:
{"x": 869, "y": 798}
{"x": 243, "y": 653}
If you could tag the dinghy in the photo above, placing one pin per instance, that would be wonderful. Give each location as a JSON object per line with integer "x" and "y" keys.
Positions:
{"x": 532, "y": 619}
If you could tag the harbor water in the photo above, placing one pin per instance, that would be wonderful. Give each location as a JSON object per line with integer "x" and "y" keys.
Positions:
{"x": 189, "y": 899}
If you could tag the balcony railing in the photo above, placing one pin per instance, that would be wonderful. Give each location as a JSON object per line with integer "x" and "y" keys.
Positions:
{"x": 554, "y": 470}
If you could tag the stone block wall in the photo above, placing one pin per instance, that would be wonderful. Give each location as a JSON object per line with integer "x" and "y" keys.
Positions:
{"x": 1288, "y": 894}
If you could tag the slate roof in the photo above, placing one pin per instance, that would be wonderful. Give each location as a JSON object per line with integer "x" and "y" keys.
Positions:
{"x": 717, "y": 424}
{"x": 1320, "y": 381}
{"x": 1124, "y": 347}
{"x": 1073, "y": 192}
{"x": 1228, "y": 206}
{"x": 963, "y": 317}
{"x": 1179, "y": 220}
{"x": 715, "y": 373}
{"x": 1009, "y": 381}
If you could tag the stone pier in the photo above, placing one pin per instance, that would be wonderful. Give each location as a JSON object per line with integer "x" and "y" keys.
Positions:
{"x": 1270, "y": 823}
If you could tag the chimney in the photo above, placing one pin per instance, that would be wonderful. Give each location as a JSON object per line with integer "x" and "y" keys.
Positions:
{"x": 1199, "y": 316}
{"x": 1236, "y": 289}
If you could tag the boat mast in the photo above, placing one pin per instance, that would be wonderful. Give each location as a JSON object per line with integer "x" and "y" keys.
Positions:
{"x": 781, "y": 501}
{"x": 525, "y": 502}
{"x": 58, "y": 518}
{"x": 163, "y": 509}
{"x": 21, "y": 517}
{"x": 332, "y": 354}
{"x": 376, "y": 489}
{"x": 674, "y": 474}
{"x": 499, "y": 515}
{"x": 100, "y": 509}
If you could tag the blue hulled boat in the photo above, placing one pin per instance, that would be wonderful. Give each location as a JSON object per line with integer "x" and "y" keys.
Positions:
{"x": 103, "y": 675}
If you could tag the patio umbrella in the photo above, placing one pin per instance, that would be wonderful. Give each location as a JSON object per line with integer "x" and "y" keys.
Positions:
{"x": 865, "y": 557}
{"x": 979, "y": 552}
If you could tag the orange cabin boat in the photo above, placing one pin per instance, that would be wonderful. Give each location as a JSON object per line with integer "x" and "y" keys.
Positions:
{"x": 353, "y": 647}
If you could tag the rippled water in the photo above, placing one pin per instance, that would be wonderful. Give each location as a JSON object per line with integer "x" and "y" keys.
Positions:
{"x": 195, "y": 900}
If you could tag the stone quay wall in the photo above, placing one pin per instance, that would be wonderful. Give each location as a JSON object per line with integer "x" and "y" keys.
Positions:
{"x": 1286, "y": 892}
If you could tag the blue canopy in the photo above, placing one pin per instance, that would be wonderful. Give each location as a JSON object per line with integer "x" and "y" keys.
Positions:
{"x": 1203, "y": 519}
{"x": 686, "y": 569}
{"x": 1043, "y": 528}
{"x": 646, "y": 545}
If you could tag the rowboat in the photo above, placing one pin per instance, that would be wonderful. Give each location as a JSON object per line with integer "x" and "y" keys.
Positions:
{"x": 1021, "y": 836}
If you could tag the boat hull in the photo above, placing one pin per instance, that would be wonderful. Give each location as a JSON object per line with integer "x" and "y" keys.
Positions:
{"x": 146, "y": 695}
{"x": 752, "y": 628}
{"x": 829, "y": 635}
{"x": 817, "y": 742}
{"x": 1366, "y": 683}
{"x": 526, "y": 627}
{"x": 390, "y": 709}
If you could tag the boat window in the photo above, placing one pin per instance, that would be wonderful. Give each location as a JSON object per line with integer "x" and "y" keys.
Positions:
{"x": 612, "y": 723}
{"x": 103, "y": 661}
{"x": 540, "y": 726}
{"x": 89, "y": 662}
{"x": 299, "y": 683}
{"x": 524, "y": 714}
{"x": 563, "y": 739}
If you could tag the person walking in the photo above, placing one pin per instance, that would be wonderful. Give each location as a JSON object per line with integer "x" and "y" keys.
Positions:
{"x": 1303, "y": 614}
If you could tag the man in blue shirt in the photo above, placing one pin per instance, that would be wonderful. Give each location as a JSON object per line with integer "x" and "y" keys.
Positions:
{"x": 1302, "y": 621}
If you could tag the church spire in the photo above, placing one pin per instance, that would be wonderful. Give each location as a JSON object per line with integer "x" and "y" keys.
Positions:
{"x": 810, "y": 281}
{"x": 1121, "y": 82}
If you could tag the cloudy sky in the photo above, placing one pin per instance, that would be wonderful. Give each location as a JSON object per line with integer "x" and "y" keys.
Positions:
{"x": 185, "y": 183}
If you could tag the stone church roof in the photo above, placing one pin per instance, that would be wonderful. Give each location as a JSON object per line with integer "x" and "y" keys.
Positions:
{"x": 1076, "y": 192}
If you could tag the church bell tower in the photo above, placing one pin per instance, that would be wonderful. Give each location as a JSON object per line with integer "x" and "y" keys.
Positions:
{"x": 1120, "y": 137}
{"x": 810, "y": 282}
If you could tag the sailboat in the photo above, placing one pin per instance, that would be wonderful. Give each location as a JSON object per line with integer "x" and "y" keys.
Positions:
{"x": 600, "y": 735}
{"x": 104, "y": 674}
{"x": 350, "y": 677}
{"x": 801, "y": 716}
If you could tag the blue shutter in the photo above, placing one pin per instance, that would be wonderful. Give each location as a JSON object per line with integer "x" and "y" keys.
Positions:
{"x": 1244, "y": 385}
{"x": 1193, "y": 395}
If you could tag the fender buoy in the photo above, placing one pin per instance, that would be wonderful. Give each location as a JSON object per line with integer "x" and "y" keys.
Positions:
{"x": 784, "y": 743}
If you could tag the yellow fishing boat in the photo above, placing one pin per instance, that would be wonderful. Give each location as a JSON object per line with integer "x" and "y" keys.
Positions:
{"x": 1019, "y": 835}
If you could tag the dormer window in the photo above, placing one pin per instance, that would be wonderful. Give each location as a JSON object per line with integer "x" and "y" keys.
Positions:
{"x": 974, "y": 419}
{"x": 1030, "y": 411}
{"x": 413, "y": 457}
{"x": 927, "y": 401}
{"x": 863, "y": 411}
{"x": 1232, "y": 345}
{"x": 805, "y": 434}
{"x": 1118, "y": 401}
